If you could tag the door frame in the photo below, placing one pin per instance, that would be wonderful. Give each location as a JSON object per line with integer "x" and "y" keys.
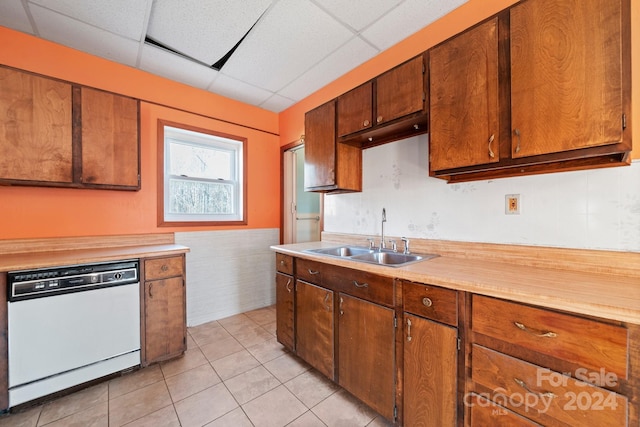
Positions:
{"x": 284, "y": 148}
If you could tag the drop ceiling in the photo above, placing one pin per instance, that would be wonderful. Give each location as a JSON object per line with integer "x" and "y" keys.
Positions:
{"x": 268, "y": 53}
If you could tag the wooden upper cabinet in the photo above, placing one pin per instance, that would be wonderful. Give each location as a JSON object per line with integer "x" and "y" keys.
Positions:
{"x": 385, "y": 109}
{"x": 55, "y": 133}
{"x": 329, "y": 165}
{"x": 35, "y": 128}
{"x": 110, "y": 141}
{"x": 401, "y": 91}
{"x": 463, "y": 103}
{"x": 355, "y": 109}
{"x": 566, "y": 75}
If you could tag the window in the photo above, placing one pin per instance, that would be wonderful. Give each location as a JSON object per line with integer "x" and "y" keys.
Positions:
{"x": 203, "y": 176}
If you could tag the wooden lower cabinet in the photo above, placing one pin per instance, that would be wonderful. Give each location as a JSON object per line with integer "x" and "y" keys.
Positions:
{"x": 164, "y": 309}
{"x": 366, "y": 345}
{"x": 314, "y": 330}
{"x": 430, "y": 373}
{"x": 285, "y": 300}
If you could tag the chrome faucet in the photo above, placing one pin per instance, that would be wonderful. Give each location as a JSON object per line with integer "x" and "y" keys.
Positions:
{"x": 384, "y": 219}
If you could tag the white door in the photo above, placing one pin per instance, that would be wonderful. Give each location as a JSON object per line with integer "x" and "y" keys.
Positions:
{"x": 302, "y": 210}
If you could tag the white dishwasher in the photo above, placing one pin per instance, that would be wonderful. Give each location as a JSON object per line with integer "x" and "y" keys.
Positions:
{"x": 69, "y": 325}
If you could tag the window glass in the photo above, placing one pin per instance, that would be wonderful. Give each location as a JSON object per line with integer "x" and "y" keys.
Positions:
{"x": 203, "y": 177}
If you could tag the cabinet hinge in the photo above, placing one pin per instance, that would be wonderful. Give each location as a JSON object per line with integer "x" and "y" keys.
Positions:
{"x": 395, "y": 322}
{"x": 459, "y": 344}
{"x": 624, "y": 121}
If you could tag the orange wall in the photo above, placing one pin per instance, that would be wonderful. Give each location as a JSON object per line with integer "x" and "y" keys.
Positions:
{"x": 29, "y": 212}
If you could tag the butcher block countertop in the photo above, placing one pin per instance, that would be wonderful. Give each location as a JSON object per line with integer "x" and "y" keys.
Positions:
{"x": 26, "y": 254}
{"x": 588, "y": 291}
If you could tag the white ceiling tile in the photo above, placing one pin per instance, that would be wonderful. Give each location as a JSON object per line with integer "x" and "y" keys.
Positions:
{"x": 13, "y": 15}
{"x": 204, "y": 30}
{"x": 75, "y": 34}
{"x": 123, "y": 17}
{"x": 358, "y": 13}
{"x": 292, "y": 36}
{"x": 347, "y": 57}
{"x": 406, "y": 19}
{"x": 277, "y": 103}
{"x": 162, "y": 63}
{"x": 235, "y": 89}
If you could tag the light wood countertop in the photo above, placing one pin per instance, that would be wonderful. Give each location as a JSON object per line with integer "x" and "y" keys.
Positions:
{"x": 43, "y": 259}
{"x": 615, "y": 297}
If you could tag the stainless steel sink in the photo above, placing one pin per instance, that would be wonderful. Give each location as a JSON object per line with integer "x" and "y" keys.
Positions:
{"x": 341, "y": 251}
{"x": 362, "y": 254}
{"x": 393, "y": 259}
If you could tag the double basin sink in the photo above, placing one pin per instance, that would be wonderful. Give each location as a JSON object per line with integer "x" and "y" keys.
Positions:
{"x": 372, "y": 256}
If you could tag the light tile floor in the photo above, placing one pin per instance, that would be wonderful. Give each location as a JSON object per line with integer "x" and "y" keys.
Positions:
{"x": 234, "y": 374}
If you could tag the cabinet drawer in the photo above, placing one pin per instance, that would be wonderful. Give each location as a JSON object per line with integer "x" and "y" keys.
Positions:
{"x": 543, "y": 395}
{"x": 159, "y": 268}
{"x": 310, "y": 271}
{"x": 486, "y": 413}
{"x": 368, "y": 286}
{"x": 584, "y": 342}
{"x": 284, "y": 264}
{"x": 431, "y": 302}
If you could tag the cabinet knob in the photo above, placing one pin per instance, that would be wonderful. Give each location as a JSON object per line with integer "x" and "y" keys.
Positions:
{"x": 427, "y": 302}
{"x": 366, "y": 123}
{"x": 164, "y": 267}
{"x": 379, "y": 119}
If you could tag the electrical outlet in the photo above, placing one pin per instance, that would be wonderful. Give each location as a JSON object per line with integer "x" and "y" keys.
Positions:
{"x": 512, "y": 204}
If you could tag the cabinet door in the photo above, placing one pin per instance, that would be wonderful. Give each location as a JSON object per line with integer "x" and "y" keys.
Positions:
{"x": 566, "y": 75}
{"x": 35, "y": 128}
{"x": 464, "y": 99}
{"x": 320, "y": 146}
{"x": 164, "y": 317}
{"x": 110, "y": 142}
{"x": 366, "y": 345}
{"x": 314, "y": 326}
{"x": 400, "y": 91}
{"x": 430, "y": 373}
{"x": 284, "y": 310}
{"x": 355, "y": 109}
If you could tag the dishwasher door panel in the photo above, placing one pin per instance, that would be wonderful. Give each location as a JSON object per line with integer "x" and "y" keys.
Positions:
{"x": 56, "y": 334}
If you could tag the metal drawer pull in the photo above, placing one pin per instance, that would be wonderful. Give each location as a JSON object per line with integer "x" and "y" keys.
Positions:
{"x": 326, "y": 302}
{"x": 360, "y": 285}
{"x": 312, "y": 271}
{"x": 542, "y": 334}
{"x": 341, "y": 301}
{"x": 427, "y": 302}
{"x": 408, "y": 330}
{"x": 150, "y": 290}
{"x": 491, "y": 138}
{"x": 287, "y": 286}
{"x": 517, "y": 132}
{"x": 526, "y": 387}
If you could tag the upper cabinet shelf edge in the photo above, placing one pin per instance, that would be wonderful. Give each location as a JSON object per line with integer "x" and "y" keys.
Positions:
{"x": 388, "y": 108}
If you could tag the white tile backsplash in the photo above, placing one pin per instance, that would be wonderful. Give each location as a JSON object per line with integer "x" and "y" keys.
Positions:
{"x": 228, "y": 272}
{"x": 594, "y": 209}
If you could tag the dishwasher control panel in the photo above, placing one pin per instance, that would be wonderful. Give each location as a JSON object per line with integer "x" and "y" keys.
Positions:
{"x": 29, "y": 284}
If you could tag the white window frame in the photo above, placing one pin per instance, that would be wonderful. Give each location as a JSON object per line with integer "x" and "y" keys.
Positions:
{"x": 172, "y": 132}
